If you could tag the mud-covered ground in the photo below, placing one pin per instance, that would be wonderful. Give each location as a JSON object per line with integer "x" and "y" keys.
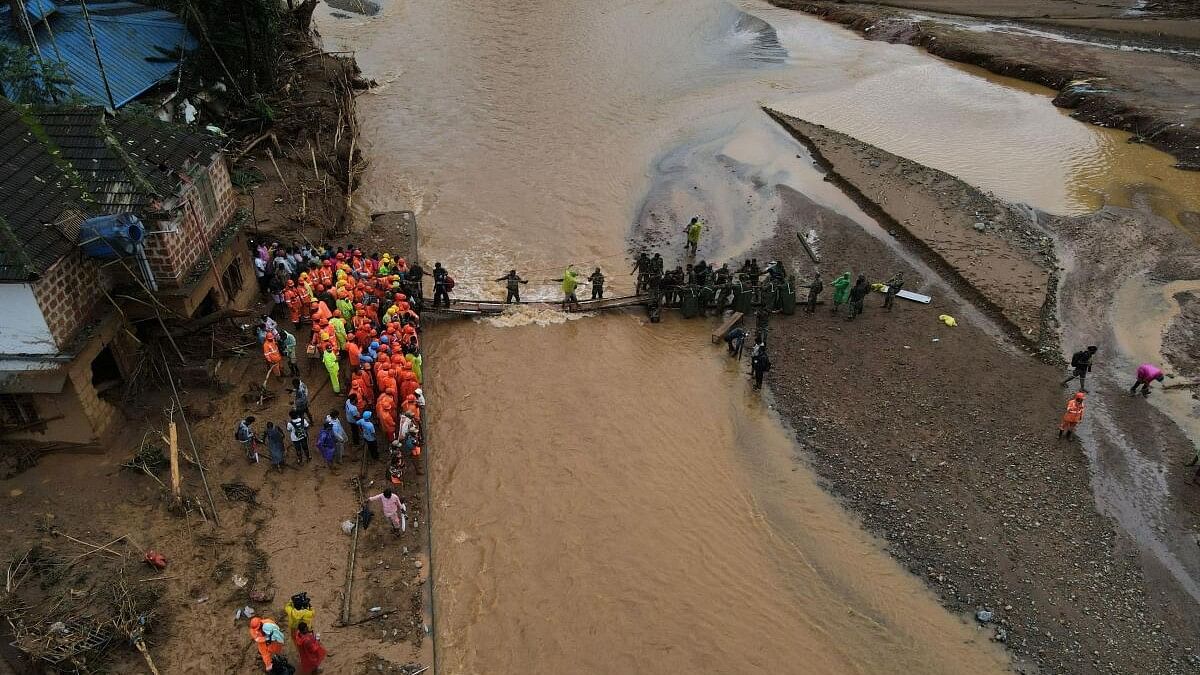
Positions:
{"x": 943, "y": 440}
{"x": 289, "y": 540}
{"x": 1146, "y": 91}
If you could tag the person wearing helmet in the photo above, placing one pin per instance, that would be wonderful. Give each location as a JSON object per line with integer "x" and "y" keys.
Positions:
{"x": 1072, "y": 416}
{"x": 367, "y": 427}
{"x": 268, "y": 638}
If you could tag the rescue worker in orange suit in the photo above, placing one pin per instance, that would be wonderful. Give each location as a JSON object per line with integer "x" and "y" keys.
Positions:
{"x": 294, "y": 300}
{"x": 385, "y": 409}
{"x": 1072, "y": 416}
{"x": 268, "y": 638}
{"x": 272, "y": 355}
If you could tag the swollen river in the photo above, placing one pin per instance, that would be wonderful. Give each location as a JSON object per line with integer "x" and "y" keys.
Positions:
{"x": 609, "y": 495}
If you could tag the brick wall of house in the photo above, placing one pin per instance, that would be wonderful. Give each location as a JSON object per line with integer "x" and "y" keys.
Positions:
{"x": 173, "y": 255}
{"x": 68, "y": 294}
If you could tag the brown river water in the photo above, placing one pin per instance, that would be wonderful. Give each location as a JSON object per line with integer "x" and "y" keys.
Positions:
{"x": 609, "y": 496}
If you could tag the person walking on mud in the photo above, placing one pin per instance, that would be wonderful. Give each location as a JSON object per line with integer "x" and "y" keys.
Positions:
{"x": 1073, "y": 416}
{"x": 760, "y": 364}
{"x": 857, "y": 294}
{"x": 246, "y": 438}
{"x": 512, "y": 282}
{"x": 1081, "y": 365}
{"x": 299, "y": 392}
{"x": 894, "y": 286}
{"x": 274, "y": 440}
{"x": 694, "y": 227}
{"x": 841, "y": 291}
{"x": 298, "y": 431}
{"x": 814, "y": 291}
{"x": 1146, "y": 373}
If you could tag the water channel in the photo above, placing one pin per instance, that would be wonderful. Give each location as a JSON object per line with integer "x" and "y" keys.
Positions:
{"x": 609, "y": 496}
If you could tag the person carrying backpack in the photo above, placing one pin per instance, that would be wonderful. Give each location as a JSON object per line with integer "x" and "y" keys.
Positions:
{"x": 244, "y": 435}
{"x": 298, "y": 431}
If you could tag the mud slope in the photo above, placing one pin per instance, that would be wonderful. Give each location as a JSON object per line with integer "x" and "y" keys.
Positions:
{"x": 993, "y": 251}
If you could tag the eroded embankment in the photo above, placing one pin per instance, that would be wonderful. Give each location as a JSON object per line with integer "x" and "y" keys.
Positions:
{"x": 1148, "y": 94}
{"x": 991, "y": 251}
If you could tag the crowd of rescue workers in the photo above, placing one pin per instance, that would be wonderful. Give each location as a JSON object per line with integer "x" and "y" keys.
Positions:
{"x": 365, "y": 310}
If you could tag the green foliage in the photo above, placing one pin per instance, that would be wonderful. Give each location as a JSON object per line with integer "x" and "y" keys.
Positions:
{"x": 26, "y": 79}
{"x": 246, "y": 34}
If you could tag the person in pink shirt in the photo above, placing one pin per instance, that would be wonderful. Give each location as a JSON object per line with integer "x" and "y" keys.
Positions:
{"x": 395, "y": 510}
{"x": 1146, "y": 373}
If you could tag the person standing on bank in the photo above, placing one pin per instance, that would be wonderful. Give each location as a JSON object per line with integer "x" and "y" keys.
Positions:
{"x": 760, "y": 364}
{"x": 841, "y": 291}
{"x": 857, "y": 294}
{"x": 814, "y": 291}
{"x": 1081, "y": 365}
{"x": 894, "y": 286}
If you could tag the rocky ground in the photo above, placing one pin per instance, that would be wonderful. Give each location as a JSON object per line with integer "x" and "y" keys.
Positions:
{"x": 1149, "y": 93}
{"x": 944, "y": 442}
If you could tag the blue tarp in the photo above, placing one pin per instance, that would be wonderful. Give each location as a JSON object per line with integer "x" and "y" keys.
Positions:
{"x": 139, "y": 46}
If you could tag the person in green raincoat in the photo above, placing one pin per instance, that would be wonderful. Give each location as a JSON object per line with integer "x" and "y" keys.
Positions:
{"x": 331, "y": 365}
{"x": 289, "y": 352}
{"x": 694, "y": 228}
{"x": 415, "y": 361}
{"x": 570, "y": 281}
{"x": 841, "y": 291}
{"x": 347, "y": 308}
{"x": 338, "y": 324}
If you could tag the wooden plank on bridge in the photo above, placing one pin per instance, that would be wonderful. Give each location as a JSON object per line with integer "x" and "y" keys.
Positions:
{"x": 609, "y": 303}
{"x": 723, "y": 330}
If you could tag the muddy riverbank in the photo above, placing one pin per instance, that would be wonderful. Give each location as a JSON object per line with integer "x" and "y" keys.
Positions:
{"x": 944, "y": 443}
{"x": 943, "y": 440}
{"x": 1149, "y": 93}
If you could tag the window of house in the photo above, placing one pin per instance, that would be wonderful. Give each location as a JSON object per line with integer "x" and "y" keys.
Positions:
{"x": 231, "y": 280}
{"x": 17, "y": 410}
{"x": 208, "y": 201}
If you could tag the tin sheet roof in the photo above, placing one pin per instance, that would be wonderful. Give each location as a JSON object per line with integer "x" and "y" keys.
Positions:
{"x": 139, "y": 46}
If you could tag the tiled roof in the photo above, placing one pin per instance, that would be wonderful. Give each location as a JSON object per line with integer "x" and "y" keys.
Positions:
{"x": 60, "y": 165}
{"x": 35, "y": 193}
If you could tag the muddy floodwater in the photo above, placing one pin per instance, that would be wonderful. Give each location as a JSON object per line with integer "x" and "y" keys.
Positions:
{"x": 608, "y": 495}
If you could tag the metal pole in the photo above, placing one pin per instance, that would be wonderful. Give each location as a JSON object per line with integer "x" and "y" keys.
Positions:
{"x": 87, "y": 17}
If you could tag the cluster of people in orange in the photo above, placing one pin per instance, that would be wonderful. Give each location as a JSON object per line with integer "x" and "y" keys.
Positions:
{"x": 363, "y": 311}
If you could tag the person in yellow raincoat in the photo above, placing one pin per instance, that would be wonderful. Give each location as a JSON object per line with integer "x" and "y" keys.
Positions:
{"x": 330, "y": 360}
{"x": 570, "y": 281}
{"x": 298, "y": 609}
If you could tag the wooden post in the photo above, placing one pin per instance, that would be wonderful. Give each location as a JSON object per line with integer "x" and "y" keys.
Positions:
{"x": 174, "y": 457}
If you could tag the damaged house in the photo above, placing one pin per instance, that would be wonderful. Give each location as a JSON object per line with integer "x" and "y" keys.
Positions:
{"x": 105, "y": 222}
